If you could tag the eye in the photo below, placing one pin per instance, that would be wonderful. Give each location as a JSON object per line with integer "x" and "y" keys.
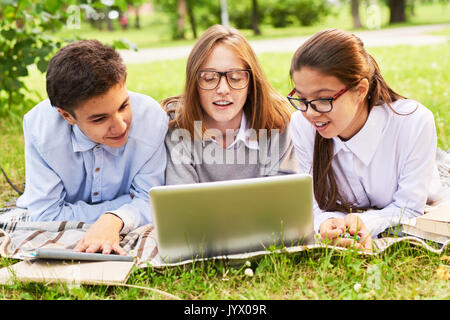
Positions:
{"x": 124, "y": 106}
{"x": 98, "y": 120}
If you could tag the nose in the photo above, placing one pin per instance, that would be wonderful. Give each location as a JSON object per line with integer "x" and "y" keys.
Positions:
{"x": 119, "y": 124}
{"x": 223, "y": 87}
{"x": 311, "y": 113}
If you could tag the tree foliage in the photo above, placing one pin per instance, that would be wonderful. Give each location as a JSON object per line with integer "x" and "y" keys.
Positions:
{"x": 26, "y": 28}
{"x": 24, "y": 41}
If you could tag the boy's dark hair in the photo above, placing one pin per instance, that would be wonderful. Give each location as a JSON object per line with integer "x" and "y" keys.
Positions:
{"x": 83, "y": 70}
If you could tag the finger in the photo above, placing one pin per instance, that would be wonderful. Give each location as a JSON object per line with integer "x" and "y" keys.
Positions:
{"x": 119, "y": 250}
{"x": 344, "y": 242}
{"x": 107, "y": 248}
{"x": 81, "y": 246}
{"x": 332, "y": 228}
{"x": 93, "y": 248}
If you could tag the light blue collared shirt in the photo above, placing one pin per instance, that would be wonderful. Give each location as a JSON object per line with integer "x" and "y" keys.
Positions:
{"x": 70, "y": 177}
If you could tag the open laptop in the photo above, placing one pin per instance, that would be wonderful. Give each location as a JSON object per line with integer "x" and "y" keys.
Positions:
{"x": 211, "y": 219}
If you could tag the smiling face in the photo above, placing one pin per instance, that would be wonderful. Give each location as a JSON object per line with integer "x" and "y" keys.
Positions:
{"x": 105, "y": 119}
{"x": 349, "y": 112}
{"x": 222, "y": 106}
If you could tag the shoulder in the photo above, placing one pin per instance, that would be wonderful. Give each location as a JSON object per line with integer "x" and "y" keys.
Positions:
{"x": 45, "y": 126}
{"x": 410, "y": 116}
{"x": 149, "y": 119}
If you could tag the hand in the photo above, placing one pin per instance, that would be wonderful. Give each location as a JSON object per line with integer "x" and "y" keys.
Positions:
{"x": 348, "y": 232}
{"x": 357, "y": 228}
{"x": 103, "y": 235}
{"x": 332, "y": 228}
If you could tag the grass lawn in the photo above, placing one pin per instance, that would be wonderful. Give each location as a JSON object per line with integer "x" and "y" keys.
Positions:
{"x": 401, "y": 272}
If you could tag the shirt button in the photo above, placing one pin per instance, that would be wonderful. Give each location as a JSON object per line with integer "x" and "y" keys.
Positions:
{"x": 95, "y": 194}
{"x": 97, "y": 169}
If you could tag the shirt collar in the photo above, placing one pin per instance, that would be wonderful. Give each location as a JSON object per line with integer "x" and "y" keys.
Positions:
{"x": 365, "y": 142}
{"x": 81, "y": 143}
{"x": 244, "y": 135}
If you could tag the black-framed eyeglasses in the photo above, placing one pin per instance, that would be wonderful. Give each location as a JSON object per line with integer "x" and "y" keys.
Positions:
{"x": 237, "y": 79}
{"x": 322, "y": 105}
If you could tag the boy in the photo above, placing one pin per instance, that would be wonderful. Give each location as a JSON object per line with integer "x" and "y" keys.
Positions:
{"x": 93, "y": 149}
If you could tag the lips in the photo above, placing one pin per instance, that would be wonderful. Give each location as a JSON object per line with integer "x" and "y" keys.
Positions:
{"x": 222, "y": 103}
{"x": 321, "y": 125}
{"x": 118, "y": 138}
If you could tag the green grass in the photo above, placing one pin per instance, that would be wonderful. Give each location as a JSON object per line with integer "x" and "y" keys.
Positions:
{"x": 155, "y": 28}
{"x": 401, "y": 272}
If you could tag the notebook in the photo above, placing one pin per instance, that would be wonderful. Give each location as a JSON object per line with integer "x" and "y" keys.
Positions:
{"x": 212, "y": 219}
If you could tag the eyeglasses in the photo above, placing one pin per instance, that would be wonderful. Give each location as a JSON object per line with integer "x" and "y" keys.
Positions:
{"x": 237, "y": 79}
{"x": 323, "y": 105}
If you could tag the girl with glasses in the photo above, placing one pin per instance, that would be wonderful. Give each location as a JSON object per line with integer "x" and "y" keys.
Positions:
{"x": 370, "y": 150}
{"x": 229, "y": 123}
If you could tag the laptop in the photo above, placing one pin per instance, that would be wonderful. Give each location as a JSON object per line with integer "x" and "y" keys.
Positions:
{"x": 212, "y": 219}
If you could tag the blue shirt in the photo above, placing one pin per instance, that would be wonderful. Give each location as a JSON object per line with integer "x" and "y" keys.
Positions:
{"x": 70, "y": 177}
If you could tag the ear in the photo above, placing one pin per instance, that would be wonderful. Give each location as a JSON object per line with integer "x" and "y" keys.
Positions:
{"x": 66, "y": 115}
{"x": 363, "y": 88}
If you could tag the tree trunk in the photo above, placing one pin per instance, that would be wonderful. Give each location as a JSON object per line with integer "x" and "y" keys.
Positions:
{"x": 255, "y": 18}
{"x": 181, "y": 19}
{"x": 137, "y": 22}
{"x": 355, "y": 14}
{"x": 190, "y": 12}
{"x": 398, "y": 11}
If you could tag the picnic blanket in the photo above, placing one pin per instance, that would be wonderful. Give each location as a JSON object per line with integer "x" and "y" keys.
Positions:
{"x": 17, "y": 234}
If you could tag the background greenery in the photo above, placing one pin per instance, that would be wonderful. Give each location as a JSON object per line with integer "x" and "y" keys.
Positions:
{"x": 402, "y": 272}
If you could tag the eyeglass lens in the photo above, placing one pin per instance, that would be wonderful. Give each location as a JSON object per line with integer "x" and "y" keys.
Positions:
{"x": 237, "y": 79}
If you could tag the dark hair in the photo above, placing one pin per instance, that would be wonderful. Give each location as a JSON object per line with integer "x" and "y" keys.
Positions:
{"x": 340, "y": 54}
{"x": 83, "y": 70}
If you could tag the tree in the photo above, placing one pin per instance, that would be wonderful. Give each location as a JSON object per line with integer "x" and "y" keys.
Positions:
{"x": 181, "y": 19}
{"x": 255, "y": 18}
{"x": 23, "y": 25}
{"x": 355, "y": 14}
{"x": 397, "y": 11}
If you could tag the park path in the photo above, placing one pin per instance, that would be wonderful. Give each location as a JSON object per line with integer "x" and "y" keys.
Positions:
{"x": 415, "y": 35}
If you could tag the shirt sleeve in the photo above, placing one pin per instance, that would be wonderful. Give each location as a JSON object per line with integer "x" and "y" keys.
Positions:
{"x": 44, "y": 194}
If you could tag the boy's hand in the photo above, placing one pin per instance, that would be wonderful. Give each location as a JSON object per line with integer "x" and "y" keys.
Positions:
{"x": 103, "y": 235}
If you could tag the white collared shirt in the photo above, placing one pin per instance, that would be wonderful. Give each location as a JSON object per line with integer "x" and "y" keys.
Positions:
{"x": 388, "y": 165}
{"x": 244, "y": 135}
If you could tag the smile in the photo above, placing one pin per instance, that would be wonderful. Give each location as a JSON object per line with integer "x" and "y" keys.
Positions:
{"x": 222, "y": 103}
{"x": 320, "y": 126}
{"x": 120, "y": 137}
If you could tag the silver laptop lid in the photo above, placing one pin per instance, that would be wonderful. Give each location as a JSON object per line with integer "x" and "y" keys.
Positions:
{"x": 209, "y": 219}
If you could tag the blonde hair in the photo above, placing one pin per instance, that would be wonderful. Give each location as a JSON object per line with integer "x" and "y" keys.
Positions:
{"x": 264, "y": 108}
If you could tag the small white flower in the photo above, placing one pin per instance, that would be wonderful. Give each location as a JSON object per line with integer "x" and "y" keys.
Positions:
{"x": 248, "y": 263}
{"x": 357, "y": 287}
{"x": 248, "y": 272}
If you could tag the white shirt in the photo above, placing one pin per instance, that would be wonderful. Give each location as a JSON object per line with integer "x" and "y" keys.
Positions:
{"x": 388, "y": 165}
{"x": 244, "y": 134}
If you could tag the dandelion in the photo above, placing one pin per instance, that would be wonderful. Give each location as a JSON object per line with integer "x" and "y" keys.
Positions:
{"x": 357, "y": 287}
{"x": 248, "y": 272}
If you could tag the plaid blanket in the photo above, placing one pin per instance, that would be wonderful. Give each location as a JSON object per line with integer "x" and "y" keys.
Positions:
{"x": 17, "y": 234}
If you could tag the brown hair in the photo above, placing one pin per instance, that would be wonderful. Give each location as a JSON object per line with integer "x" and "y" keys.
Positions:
{"x": 340, "y": 54}
{"x": 264, "y": 108}
{"x": 83, "y": 70}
